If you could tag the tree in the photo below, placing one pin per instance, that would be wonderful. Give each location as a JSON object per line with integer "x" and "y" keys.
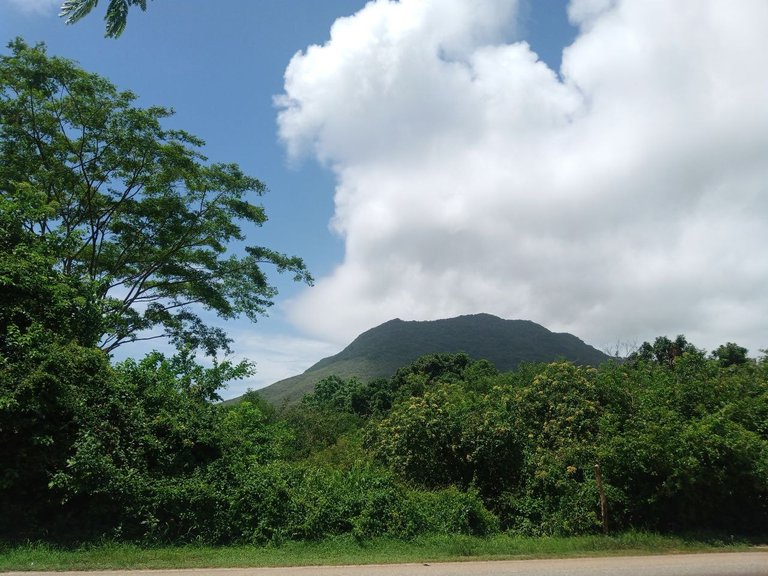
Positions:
{"x": 430, "y": 369}
{"x": 130, "y": 210}
{"x": 421, "y": 439}
{"x": 38, "y": 299}
{"x": 335, "y": 393}
{"x": 689, "y": 449}
{"x": 730, "y": 354}
{"x": 663, "y": 350}
{"x": 451, "y": 435}
{"x": 116, "y": 16}
{"x": 44, "y": 384}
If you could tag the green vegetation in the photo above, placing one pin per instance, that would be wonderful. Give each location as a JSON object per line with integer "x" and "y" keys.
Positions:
{"x": 110, "y": 226}
{"x": 116, "y": 16}
{"x": 346, "y": 550}
{"x": 125, "y": 212}
{"x": 447, "y": 446}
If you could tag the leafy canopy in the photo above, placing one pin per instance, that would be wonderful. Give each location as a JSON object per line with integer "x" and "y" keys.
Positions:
{"x": 99, "y": 190}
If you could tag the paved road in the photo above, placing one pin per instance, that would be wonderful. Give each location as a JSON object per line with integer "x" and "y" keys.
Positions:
{"x": 716, "y": 564}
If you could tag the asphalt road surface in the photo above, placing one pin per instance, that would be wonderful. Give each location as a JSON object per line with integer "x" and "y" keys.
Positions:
{"x": 714, "y": 564}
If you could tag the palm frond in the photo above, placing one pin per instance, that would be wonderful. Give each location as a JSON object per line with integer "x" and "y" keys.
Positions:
{"x": 75, "y": 10}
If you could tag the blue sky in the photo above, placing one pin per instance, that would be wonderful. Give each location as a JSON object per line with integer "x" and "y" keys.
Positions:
{"x": 218, "y": 64}
{"x": 569, "y": 183}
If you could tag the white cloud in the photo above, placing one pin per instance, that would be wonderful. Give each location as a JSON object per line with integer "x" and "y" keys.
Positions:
{"x": 586, "y": 12}
{"x": 627, "y": 200}
{"x": 50, "y": 7}
{"x": 276, "y": 357}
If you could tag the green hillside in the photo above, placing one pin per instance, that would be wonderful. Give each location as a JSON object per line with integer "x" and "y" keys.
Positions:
{"x": 380, "y": 351}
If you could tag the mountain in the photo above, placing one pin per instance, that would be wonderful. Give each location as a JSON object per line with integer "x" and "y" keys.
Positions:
{"x": 380, "y": 351}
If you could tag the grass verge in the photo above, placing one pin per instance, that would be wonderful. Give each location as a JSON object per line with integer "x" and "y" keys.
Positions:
{"x": 346, "y": 550}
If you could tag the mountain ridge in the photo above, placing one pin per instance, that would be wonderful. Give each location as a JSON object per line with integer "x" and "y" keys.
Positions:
{"x": 380, "y": 351}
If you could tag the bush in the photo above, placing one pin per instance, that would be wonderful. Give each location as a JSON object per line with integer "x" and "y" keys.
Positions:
{"x": 452, "y": 511}
{"x": 298, "y": 502}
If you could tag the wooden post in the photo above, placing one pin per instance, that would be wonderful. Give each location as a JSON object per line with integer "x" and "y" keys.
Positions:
{"x": 603, "y": 499}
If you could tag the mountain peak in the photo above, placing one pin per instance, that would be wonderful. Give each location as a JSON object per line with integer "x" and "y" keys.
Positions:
{"x": 380, "y": 351}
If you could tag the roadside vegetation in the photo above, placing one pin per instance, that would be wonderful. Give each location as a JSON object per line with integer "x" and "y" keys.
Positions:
{"x": 113, "y": 230}
{"x": 345, "y": 550}
{"x": 447, "y": 446}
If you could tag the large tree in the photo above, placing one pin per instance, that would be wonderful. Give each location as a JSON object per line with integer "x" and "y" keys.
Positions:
{"x": 132, "y": 211}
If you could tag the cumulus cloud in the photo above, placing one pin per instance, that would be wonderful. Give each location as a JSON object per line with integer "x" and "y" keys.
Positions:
{"x": 623, "y": 198}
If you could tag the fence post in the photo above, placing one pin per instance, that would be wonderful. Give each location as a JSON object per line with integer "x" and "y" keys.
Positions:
{"x": 603, "y": 499}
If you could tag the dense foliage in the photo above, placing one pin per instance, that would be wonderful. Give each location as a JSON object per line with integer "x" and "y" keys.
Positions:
{"x": 141, "y": 450}
{"x": 95, "y": 190}
{"x": 138, "y": 450}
